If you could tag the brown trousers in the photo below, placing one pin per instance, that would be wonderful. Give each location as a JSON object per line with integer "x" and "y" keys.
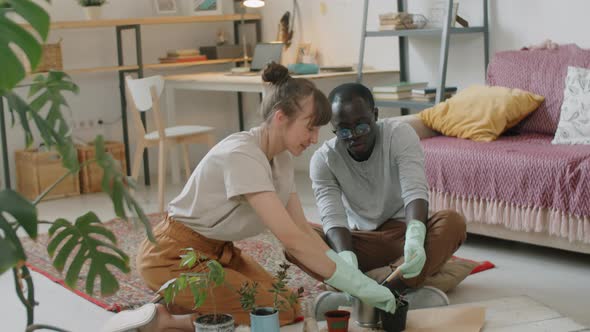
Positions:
{"x": 158, "y": 263}
{"x": 445, "y": 232}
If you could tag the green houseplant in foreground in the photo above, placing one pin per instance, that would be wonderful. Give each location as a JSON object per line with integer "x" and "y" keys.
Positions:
{"x": 267, "y": 318}
{"x": 205, "y": 275}
{"x": 84, "y": 243}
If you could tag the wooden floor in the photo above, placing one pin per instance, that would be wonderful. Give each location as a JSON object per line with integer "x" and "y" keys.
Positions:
{"x": 519, "y": 313}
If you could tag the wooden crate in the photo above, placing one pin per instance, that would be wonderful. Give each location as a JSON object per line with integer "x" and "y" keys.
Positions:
{"x": 37, "y": 170}
{"x": 91, "y": 175}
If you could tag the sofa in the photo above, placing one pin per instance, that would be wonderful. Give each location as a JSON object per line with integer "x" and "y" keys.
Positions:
{"x": 519, "y": 187}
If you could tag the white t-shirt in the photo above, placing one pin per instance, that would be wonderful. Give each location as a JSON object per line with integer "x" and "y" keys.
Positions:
{"x": 363, "y": 195}
{"x": 212, "y": 202}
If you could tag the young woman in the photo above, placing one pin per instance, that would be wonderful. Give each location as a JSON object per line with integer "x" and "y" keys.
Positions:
{"x": 243, "y": 186}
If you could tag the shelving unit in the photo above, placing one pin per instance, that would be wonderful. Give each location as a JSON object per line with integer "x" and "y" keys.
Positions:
{"x": 445, "y": 32}
{"x": 135, "y": 24}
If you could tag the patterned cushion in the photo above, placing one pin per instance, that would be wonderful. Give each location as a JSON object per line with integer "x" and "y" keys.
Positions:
{"x": 574, "y": 120}
{"x": 525, "y": 170}
{"x": 541, "y": 72}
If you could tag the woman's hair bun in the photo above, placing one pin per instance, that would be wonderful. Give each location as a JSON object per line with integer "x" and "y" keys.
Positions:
{"x": 275, "y": 73}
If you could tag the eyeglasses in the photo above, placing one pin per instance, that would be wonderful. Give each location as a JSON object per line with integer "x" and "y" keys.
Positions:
{"x": 359, "y": 130}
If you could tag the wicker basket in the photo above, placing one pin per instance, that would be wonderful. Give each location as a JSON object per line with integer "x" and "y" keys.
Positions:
{"x": 91, "y": 175}
{"x": 51, "y": 58}
{"x": 37, "y": 170}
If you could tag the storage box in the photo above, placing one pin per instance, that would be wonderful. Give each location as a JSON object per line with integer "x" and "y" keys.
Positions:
{"x": 91, "y": 175}
{"x": 224, "y": 51}
{"x": 37, "y": 170}
{"x": 51, "y": 58}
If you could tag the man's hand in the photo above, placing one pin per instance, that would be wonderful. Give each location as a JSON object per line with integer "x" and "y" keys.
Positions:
{"x": 414, "y": 254}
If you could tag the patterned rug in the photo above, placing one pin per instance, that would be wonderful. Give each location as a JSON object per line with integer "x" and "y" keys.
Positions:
{"x": 264, "y": 248}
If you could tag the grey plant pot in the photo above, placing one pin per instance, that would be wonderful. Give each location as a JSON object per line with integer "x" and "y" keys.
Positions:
{"x": 202, "y": 324}
{"x": 266, "y": 322}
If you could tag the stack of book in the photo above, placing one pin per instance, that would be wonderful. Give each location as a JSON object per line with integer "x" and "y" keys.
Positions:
{"x": 401, "y": 21}
{"x": 428, "y": 94}
{"x": 183, "y": 55}
{"x": 402, "y": 90}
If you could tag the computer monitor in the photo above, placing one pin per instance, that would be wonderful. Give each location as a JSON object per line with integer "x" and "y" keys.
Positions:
{"x": 265, "y": 53}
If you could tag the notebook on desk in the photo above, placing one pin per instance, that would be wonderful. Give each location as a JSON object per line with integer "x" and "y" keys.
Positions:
{"x": 264, "y": 53}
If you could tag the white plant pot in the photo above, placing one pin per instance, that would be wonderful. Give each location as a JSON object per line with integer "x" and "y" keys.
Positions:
{"x": 93, "y": 12}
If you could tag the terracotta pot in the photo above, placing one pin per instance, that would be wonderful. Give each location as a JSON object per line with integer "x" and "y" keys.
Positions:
{"x": 337, "y": 320}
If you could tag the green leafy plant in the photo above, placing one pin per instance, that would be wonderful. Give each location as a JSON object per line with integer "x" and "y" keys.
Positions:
{"x": 279, "y": 290}
{"x": 91, "y": 3}
{"x": 205, "y": 274}
{"x": 73, "y": 246}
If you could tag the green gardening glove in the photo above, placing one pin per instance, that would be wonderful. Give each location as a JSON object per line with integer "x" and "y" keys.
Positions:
{"x": 354, "y": 282}
{"x": 350, "y": 258}
{"x": 414, "y": 254}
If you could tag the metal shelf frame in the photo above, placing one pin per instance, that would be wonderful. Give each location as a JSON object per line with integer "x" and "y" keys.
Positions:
{"x": 445, "y": 33}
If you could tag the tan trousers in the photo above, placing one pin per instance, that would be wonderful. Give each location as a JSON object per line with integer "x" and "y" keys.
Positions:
{"x": 158, "y": 263}
{"x": 445, "y": 232}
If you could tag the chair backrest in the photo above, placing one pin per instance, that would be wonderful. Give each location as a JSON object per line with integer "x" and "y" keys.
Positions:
{"x": 141, "y": 99}
{"x": 139, "y": 90}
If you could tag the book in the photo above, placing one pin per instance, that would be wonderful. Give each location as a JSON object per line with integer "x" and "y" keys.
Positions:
{"x": 401, "y": 86}
{"x": 429, "y": 97}
{"x": 431, "y": 89}
{"x": 183, "y": 59}
{"x": 393, "y": 96}
{"x": 183, "y": 52}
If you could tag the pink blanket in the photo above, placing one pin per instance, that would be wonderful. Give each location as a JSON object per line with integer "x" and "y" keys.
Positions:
{"x": 542, "y": 72}
{"x": 526, "y": 170}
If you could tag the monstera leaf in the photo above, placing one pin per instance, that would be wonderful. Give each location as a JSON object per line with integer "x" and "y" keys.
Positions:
{"x": 53, "y": 128}
{"x": 13, "y": 70}
{"x": 87, "y": 240}
{"x": 117, "y": 186}
{"x": 25, "y": 214}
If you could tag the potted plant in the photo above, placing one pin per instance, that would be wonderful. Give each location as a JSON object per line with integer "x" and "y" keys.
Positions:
{"x": 73, "y": 245}
{"x": 92, "y": 8}
{"x": 201, "y": 285}
{"x": 396, "y": 322}
{"x": 266, "y": 319}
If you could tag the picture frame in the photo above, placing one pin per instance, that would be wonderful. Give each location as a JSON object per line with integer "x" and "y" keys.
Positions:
{"x": 204, "y": 7}
{"x": 438, "y": 13}
{"x": 165, "y": 7}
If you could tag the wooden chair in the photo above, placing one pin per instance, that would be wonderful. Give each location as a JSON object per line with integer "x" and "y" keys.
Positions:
{"x": 143, "y": 95}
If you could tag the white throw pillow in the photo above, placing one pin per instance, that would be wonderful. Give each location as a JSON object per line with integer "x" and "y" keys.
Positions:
{"x": 574, "y": 119}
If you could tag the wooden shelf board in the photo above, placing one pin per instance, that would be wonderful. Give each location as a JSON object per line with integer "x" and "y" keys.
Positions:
{"x": 148, "y": 21}
{"x": 192, "y": 63}
{"x": 92, "y": 70}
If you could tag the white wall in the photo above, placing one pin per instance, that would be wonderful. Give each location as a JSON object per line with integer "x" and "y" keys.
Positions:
{"x": 335, "y": 31}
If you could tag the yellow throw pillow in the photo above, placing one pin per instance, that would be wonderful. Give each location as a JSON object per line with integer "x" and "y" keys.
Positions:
{"x": 481, "y": 113}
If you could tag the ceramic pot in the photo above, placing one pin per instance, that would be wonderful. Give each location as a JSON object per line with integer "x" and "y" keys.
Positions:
{"x": 264, "y": 320}
{"x": 93, "y": 12}
{"x": 214, "y": 323}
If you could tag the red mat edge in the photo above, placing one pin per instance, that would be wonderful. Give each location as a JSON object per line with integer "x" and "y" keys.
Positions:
{"x": 114, "y": 308}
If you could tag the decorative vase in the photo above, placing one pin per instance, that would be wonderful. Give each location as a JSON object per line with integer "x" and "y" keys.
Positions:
{"x": 93, "y": 12}
{"x": 264, "y": 320}
{"x": 395, "y": 322}
{"x": 214, "y": 323}
{"x": 337, "y": 320}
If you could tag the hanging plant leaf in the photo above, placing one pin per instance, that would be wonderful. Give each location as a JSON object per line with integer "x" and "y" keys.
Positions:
{"x": 12, "y": 33}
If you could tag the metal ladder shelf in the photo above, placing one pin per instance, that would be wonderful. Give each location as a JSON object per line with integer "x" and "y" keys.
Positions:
{"x": 445, "y": 32}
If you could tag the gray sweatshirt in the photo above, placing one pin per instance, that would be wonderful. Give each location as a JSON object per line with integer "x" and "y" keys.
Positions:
{"x": 363, "y": 195}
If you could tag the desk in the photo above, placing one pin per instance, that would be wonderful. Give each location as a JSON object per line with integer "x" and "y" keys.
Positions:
{"x": 221, "y": 81}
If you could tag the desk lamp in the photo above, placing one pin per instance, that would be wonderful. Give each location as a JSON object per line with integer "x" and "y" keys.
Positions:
{"x": 249, "y": 4}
